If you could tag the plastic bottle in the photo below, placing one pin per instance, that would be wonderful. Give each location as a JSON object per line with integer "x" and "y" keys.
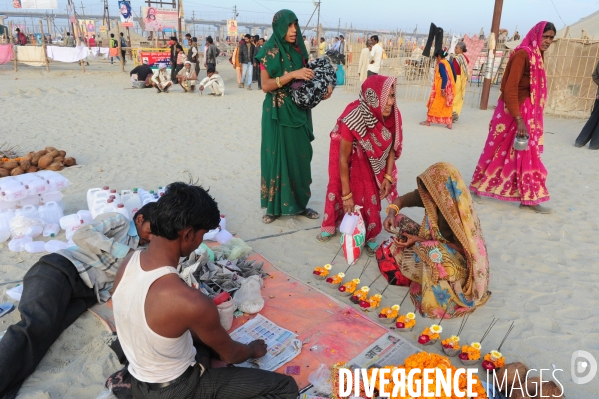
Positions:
{"x": 33, "y": 231}
{"x": 223, "y": 236}
{"x": 18, "y": 244}
{"x": 29, "y": 211}
{"x": 117, "y": 197}
{"x": 69, "y": 220}
{"x": 13, "y": 190}
{"x": 6, "y": 215}
{"x": 132, "y": 201}
{"x": 85, "y": 216}
{"x": 95, "y": 193}
{"x": 51, "y": 230}
{"x": 54, "y": 196}
{"x": 70, "y": 230}
{"x": 29, "y": 200}
{"x": 120, "y": 208}
{"x": 35, "y": 247}
{"x": 55, "y": 245}
{"x": 161, "y": 191}
{"x": 12, "y": 205}
{"x": 50, "y": 212}
{"x": 56, "y": 181}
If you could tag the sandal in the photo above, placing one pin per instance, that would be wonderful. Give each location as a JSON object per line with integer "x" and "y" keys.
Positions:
{"x": 310, "y": 213}
{"x": 322, "y": 238}
{"x": 268, "y": 219}
{"x": 425, "y": 123}
{"x": 449, "y": 126}
{"x": 371, "y": 252}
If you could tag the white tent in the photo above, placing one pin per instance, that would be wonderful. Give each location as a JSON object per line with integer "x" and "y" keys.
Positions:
{"x": 588, "y": 24}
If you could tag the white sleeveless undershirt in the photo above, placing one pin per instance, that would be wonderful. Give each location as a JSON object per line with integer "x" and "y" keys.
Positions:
{"x": 152, "y": 357}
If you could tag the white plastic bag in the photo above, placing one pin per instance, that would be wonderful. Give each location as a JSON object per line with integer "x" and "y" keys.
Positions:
{"x": 248, "y": 298}
{"x": 321, "y": 380}
{"x": 353, "y": 243}
{"x": 20, "y": 224}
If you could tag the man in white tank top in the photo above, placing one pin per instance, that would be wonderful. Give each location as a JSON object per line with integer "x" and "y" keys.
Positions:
{"x": 159, "y": 318}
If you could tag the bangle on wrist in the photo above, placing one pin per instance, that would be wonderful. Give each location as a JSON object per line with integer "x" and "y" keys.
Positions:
{"x": 278, "y": 82}
{"x": 346, "y": 197}
{"x": 394, "y": 207}
{"x": 388, "y": 177}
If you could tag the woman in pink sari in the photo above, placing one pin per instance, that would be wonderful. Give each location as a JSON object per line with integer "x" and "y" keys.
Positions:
{"x": 365, "y": 144}
{"x": 503, "y": 172}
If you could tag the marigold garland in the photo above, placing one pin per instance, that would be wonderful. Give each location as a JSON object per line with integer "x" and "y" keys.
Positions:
{"x": 351, "y": 286}
{"x": 337, "y": 279}
{"x": 431, "y": 335}
{"x": 320, "y": 271}
{"x": 389, "y": 313}
{"x": 451, "y": 341}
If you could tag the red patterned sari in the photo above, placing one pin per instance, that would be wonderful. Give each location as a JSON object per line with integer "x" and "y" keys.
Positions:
{"x": 373, "y": 138}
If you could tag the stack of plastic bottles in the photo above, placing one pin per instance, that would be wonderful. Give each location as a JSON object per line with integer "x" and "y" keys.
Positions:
{"x": 31, "y": 196}
{"x": 104, "y": 200}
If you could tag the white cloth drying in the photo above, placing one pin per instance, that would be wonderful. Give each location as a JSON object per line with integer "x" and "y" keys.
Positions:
{"x": 67, "y": 54}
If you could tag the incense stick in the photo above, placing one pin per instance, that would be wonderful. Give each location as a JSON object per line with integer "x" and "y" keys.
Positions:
{"x": 334, "y": 257}
{"x": 444, "y": 313}
{"x": 489, "y": 329}
{"x": 353, "y": 263}
{"x": 504, "y": 338}
{"x": 364, "y": 269}
{"x": 387, "y": 286}
{"x": 404, "y": 298}
{"x": 463, "y": 324}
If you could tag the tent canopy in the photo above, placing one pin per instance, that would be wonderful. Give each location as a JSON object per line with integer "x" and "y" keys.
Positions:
{"x": 590, "y": 25}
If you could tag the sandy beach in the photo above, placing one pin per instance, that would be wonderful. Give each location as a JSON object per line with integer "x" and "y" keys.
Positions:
{"x": 544, "y": 268}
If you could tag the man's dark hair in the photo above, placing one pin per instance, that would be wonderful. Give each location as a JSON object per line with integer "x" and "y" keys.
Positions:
{"x": 374, "y": 38}
{"x": 341, "y": 36}
{"x": 188, "y": 35}
{"x": 336, "y": 38}
{"x": 209, "y": 40}
{"x": 322, "y": 38}
{"x": 18, "y": 30}
{"x": 111, "y": 35}
{"x": 122, "y": 34}
{"x": 183, "y": 205}
{"x": 146, "y": 211}
{"x": 256, "y": 37}
{"x": 174, "y": 38}
{"x": 194, "y": 39}
{"x": 210, "y": 70}
{"x": 178, "y": 46}
{"x": 303, "y": 36}
{"x": 549, "y": 26}
{"x": 262, "y": 39}
{"x": 248, "y": 36}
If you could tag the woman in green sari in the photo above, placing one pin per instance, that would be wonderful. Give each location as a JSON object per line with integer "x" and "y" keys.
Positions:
{"x": 287, "y": 133}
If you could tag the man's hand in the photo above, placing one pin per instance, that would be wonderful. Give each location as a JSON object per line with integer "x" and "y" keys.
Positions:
{"x": 372, "y": 62}
{"x": 329, "y": 93}
{"x": 201, "y": 88}
{"x": 258, "y": 348}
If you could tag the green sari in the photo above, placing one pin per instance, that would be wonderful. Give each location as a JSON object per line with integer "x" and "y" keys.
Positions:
{"x": 287, "y": 133}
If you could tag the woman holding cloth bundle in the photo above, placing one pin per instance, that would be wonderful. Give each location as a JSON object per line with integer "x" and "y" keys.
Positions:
{"x": 286, "y": 150}
{"x": 365, "y": 144}
{"x": 503, "y": 172}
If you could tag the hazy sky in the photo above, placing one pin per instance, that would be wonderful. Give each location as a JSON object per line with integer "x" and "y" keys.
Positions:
{"x": 461, "y": 16}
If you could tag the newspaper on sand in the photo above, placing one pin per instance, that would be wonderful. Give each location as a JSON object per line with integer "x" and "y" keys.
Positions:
{"x": 388, "y": 350}
{"x": 283, "y": 345}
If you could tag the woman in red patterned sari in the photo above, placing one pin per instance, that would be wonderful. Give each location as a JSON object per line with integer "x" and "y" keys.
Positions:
{"x": 365, "y": 144}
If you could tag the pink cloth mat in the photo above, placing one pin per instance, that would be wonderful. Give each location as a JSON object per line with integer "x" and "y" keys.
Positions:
{"x": 6, "y": 53}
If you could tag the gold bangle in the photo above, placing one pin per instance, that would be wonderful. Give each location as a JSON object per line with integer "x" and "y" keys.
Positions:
{"x": 348, "y": 196}
{"x": 278, "y": 82}
{"x": 393, "y": 206}
{"x": 389, "y": 178}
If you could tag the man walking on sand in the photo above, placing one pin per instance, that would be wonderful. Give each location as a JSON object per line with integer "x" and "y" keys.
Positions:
{"x": 61, "y": 286}
{"x": 247, "y": 53}
{"x": 211, "y": 54}
{"x": 364, "y": 61}
{"x": 376, "y": 56}
{"x": 158, "y": 317}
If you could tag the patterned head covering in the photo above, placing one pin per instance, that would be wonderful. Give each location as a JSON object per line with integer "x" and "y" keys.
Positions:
{"x": 364, "y": 118}
{"x": 538, "y": 79}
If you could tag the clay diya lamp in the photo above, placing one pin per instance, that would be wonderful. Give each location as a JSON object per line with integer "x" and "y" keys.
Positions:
{"x": 321, "y": 273}
{"x": 360, "y": 295}
{"x": 430, "y": 335}
{"x": 388, "y": 315}
{"x": 470, "y": 354}
{"x": 451, "y": 346}
{"x": 406, "y": 322}
{"x": 335, "y": 281}
{"x": 371, "y": 304}
{"x": 348, "y": 288}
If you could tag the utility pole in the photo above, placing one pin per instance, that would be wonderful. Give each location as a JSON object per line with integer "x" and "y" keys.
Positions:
{"x": 339, "y": 27}
{"x": 235, "y": 12}
{"x": 193, "y": 21}
{"x": 318, "y": 26}
{"x": 484, "y": 98}
{"x": 106, "y": 16}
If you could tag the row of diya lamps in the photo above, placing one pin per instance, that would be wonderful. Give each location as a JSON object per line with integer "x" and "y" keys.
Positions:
{"x": 468, "y": 354}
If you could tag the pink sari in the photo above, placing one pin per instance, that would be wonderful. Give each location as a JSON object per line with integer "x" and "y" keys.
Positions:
{"x": 502, "y": 172}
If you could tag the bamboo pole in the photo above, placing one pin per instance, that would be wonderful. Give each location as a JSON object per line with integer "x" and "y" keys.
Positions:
{"x": 14, "y": 50}
{"x": 118, "y": 38}
{"x": 44, "y": 46}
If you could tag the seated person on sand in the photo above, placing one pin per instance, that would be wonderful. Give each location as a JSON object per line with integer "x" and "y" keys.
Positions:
{"x": 214, "y": 82}
{"x": 158, "y": 317}
{"x": 447, "y": 252}
{"x": 161, "y": 79}
{"x": 61, "y": 286}
{"x": 141, "y": 73}
{"x": 187, "y": 78}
